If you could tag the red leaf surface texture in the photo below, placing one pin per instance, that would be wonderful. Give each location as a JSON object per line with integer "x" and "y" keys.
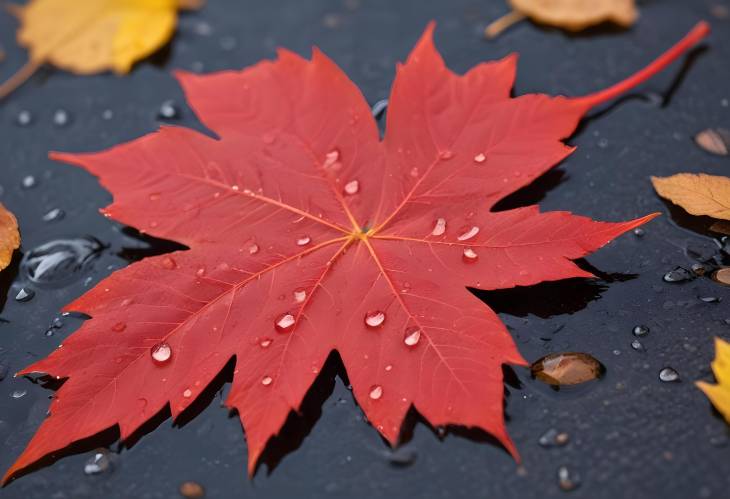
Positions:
{"x": 308, "y": 233}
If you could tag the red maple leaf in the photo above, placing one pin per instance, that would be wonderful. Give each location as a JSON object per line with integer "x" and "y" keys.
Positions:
{"x": 309, "y": 234}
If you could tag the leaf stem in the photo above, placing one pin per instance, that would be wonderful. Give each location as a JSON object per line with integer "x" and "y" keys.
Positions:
{"x": 498, "y": 26}
{"x": 701, "y": 30}
{"x": 20, "y": 77}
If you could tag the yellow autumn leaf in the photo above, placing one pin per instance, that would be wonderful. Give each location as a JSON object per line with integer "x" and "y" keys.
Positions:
{"x": 719, "y": 394}
{"x": 698, "y": 194}
{"x": 571, "y": 15}
{"x": 9, "y": 236}
{"x": 91, "y": 36}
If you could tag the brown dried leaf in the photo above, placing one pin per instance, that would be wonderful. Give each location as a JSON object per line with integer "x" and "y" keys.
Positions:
{"x": 9, "y": 236}
{"x": 715, "y": 141}
{"x": 577, "y": 15}
{"x": 698, "y": 194}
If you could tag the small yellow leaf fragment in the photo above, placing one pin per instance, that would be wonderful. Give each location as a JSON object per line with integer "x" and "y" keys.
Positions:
{"x": 719, "y": 394}
{"x": 698, "y": 194}
{"x": 9, "y": 236}
{"x": 577, "y": 15}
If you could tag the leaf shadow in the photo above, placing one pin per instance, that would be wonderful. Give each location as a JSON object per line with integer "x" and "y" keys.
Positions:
{"x": 7, "y": 277}
{"x": 551, "y": 298}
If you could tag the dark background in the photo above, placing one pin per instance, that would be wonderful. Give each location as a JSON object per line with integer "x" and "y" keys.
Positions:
{"x": 630, "y": 434}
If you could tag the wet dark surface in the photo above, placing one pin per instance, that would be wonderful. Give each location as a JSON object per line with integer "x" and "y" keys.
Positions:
{"x": 630, "y": 435}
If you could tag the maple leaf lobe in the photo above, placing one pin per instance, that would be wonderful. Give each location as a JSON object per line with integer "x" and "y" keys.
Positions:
{"x": 279, "y": 271}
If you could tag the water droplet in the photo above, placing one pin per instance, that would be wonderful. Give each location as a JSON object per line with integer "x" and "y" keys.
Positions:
{"x": 470, "y": 255}
{"x": 639, "y": 232}
{"x": 24, "y": 118}
{"x": 303, "y": 240}
{"x": 439, "y": 227}
{"x": 376, "y": 391}
{"x": 568, "y": 480}
{"x": 389, "y": 367}
{"x": 25, "y": 294}
{"x": 265, "y": 342}
{"x": 300, "y": 295}
{"x": 61, "y": 118}
{"x": 98, "y": 463}
{"x": 710, "y": 299}
{"x": 107, "y": 114}
{"x": 374, "y": 318}
{"x": 61, "y": 260}
{"x": 638, "y": 346}
{"x": 412, "y": 336}
{"x": 161, "y": 353}
{"x": 54, "y": 215}
{"x": 168, "y": 111}
{"x": 722, "y": 276}
{"x": 640, "y": 330}
{"x": 253, "y": 249}
{"x": 668, "y": 375}
{"x": 28, "y": 182}
{"x": 119, "y": 327}
{"x": 679, "y": 274}
{"x": 191, "y": 490}
{"x": 17, "y": 394}
{"x": 266, "y": 380}
{"x": 468, "y": 233}
{"x": 332, "y": 160}
{"x": 553, "y": 438}
{"x": 188, "y": 393}
{"x": 446, "y": 155}
{"x": 352, "y": 187}
{"x": 569, "y": 368}
{"x": 480, "y": 158}
{"x": 379, "y": 108}
{"x": 169, "y": 263}
{"x": 285, "y": 323}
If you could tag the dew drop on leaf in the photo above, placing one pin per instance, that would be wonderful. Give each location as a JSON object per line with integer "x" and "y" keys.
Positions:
{"x": 253, "y": 249}
{"x": 376, "y": 391}
{"x": 374, "y": 318}
{"x": 303, "y": 240}
{"x": 300, "y": 295}
{"x": 161, "y": 353}
{"x": 266, "y": 380}
{"x": 285, "y": 323}
{"x": 446, "y": 155}
{"x": 332, "y": 160}
{"x": 468, "y": 233}
{"x": 412, "y": 336}
{"x": 470, "y": 255}
{"x": 265, "y": 342}
{"x": 480, "y": 158}
{"x": 439, "y": 227}
{"x": 169, "y": 263}
{"x": 352, "y": 187}
{"x": 187, "y": 393}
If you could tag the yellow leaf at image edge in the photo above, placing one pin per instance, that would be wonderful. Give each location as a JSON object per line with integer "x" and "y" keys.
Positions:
{"x": 9, "y": 236}
{"x": 698, "y": 194}
{"x": 91, "y": 36}
{"x": 719, "y": 394}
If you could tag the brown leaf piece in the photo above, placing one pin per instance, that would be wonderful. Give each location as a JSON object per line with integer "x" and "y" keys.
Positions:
{"x": 698, "y": 194}
{"x": 714, "y": 140}
{"x": 571, "y": 15}
{"x": 9, "y": 236}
